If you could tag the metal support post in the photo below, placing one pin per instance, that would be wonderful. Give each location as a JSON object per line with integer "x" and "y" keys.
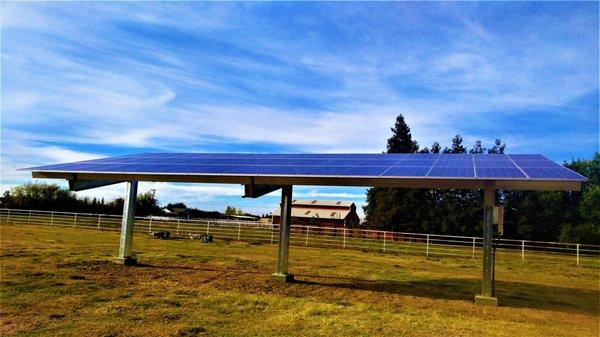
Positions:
{"x": 384, "y": 241}
{"x": 125, "y": 255}
{"x": 523, "y": 250}
{"x": 427, "y": 244}
{"x": 473, "y": 255}
{"x": 487, "y": 296}
{"x": 578, "y": 254}
{"x": 99, "y": 217}
{"x": 150, "y": 225}
{"x": 75, "y": 220}
{"x": 344, "y": 238}
{"x": 207, "y": 227}
{"x": 178, "y": 220}
{"x": 272, "y": 227}
{"x": 51, "y": 218}
{"x": 8, "y": 216}
{"x": 284, "y": 236}
{"x": 239, "y": 229}
{"x": 29, "y": 218}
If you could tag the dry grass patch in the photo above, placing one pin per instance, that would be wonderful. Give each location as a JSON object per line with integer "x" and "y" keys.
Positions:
{"x": 59, "y": 281}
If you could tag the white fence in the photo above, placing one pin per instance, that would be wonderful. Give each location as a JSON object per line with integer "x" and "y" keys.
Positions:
{"x": 360, "y": 239}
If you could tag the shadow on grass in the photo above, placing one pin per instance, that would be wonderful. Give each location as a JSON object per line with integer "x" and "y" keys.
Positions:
{"x": 510, "y": 294}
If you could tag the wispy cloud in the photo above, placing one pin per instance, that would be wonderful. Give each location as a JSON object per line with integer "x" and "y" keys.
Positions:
{"x": 100, "y": 78}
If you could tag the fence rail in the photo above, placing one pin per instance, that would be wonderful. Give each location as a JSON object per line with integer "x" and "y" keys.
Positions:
{"x": 344, "y": 238}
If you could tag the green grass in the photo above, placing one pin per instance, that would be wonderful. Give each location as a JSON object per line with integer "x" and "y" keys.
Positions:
{"x": 59, "y": 281}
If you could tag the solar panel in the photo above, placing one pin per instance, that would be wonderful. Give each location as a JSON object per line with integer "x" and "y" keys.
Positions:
{"x": 407, "y": 171}
{"x": 364, "y": 171}
{"x": 500, "y": 173}
{"x": 452, "y": 172}
{"x": 327, "y": 170}
{"x": 264, "y": 169}
{"x": 423, "y": 166}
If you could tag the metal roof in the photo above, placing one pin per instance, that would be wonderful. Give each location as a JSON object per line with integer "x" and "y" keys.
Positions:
{"x": 321, "y": 203}
{"x": 515, "y": 171}
{"x": 315, "y": 212}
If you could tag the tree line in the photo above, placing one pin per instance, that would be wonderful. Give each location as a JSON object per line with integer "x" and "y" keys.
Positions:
{"x": 52, "y": 197}
{"x": 530, "y": 215}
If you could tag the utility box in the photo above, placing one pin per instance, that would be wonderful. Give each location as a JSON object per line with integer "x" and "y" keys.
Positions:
{"x": 498, "y": 219}
{"x": 498, "y": 215}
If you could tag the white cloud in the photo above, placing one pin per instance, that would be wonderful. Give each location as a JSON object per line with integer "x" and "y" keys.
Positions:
{"x": 176, "y": 76}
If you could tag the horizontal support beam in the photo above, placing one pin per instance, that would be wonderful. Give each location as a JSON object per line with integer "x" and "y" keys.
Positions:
{"x": 430, "y": 183}
{"x": 82, "y": 185}
{"x": 255, "y": 191}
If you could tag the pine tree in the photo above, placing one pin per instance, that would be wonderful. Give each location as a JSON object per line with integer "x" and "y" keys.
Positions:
{"x": 457, "y": 146}
{"x": 498, "y": 147}
{"x": 477, "y": 148}
{"x": 401, "y": 140}
{"x": 393, "y": 208}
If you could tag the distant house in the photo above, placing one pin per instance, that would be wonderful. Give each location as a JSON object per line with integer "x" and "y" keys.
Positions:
{"x": 321, "y": 213}
{"x": 243, "y": 217}
{"x": 175, "y": 211}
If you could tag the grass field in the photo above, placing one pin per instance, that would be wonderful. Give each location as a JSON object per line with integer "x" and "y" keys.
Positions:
{"x": 59, "y": 281}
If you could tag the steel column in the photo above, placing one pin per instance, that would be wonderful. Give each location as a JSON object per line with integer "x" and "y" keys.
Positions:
{"x": 284, "y": 235}
{"x": 487, "y": 296}
{"x": 125, "y": 255}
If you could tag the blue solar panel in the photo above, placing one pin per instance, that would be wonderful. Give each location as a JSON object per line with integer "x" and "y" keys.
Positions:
{"x": 194, "y": 169}
{"x": 494, "y": 164}
{"x": 406, "y": 171}
{"x": 553, "y": 173}
{"x": 452, "y": 172}
{"x": 435, "y": 166}
{"x": 278, "y": 170}
{"x": 418, "y": 162}
{"x": 539, "y": 167}
{"x": 327, "y": 170}
{"x": 364, "y": 171}
{"x": 450, "y": 162}
{"x": 500, "y": 173}
{"x": 382, "y": 162}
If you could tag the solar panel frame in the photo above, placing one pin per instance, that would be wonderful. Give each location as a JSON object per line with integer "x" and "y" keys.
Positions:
{"x": 421, "y": 166}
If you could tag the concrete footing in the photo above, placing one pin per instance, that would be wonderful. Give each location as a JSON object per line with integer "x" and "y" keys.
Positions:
{"x": 283, "y": 277}
{"x": 128, "y": 261}
{"x": 485, "y": 300}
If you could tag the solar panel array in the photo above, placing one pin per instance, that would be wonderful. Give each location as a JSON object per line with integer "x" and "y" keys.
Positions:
{"x": 451, "y": 166}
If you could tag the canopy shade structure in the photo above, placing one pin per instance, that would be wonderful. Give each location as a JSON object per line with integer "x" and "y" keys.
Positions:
{"x": 515, "y": 171}
{"x": 265, "y": 173}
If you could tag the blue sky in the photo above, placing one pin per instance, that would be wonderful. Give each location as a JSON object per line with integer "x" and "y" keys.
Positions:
{"x": 86, "y": 80}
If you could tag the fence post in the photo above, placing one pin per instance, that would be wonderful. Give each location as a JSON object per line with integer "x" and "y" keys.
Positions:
{"x": 239, "y": 229}
{"x": 29, "y": 217}
{"x": 75, "y": 221}
{"x": 344, "y": 238}
{"x": 523, "y": 250}
{"x": 99, "y": 217}
{"x": 427, "y": 244}
{"x": 51, "y": 218}
{"x": 178, "y": 220}
{"x": 384, "y": 241}
{"x": 473, "y": 256}
{"x": 8, "y": 216}
{"x": 577, "y": 254}
{"x": 150, "y": 226}
{"x": 207, "y": 226}
{"x": 272, "y": 232}
{"x": 306, "y": 244}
